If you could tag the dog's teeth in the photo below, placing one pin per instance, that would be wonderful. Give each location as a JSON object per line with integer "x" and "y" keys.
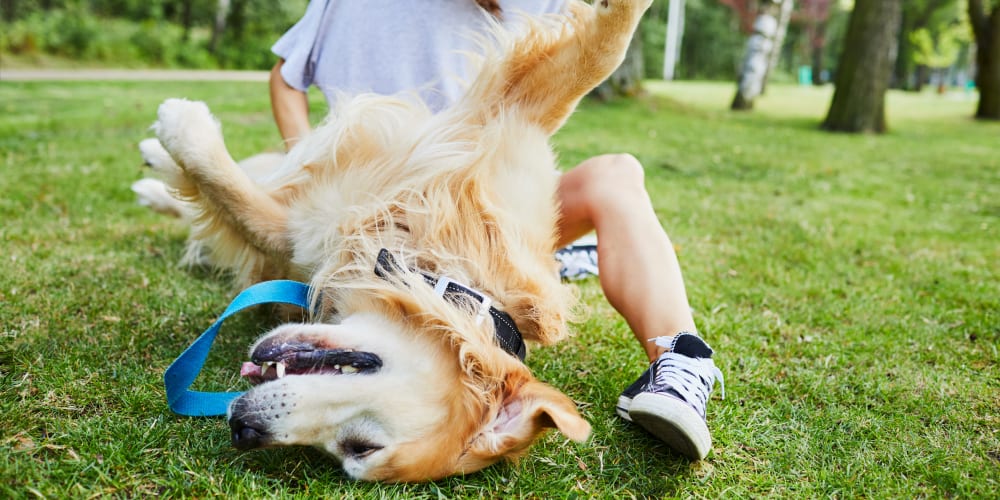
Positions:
{"x": 336, "y": 367}
{"x": 348, "y": 369}
{"x": 265, "y": 366}
{"x": 280, "y": 368}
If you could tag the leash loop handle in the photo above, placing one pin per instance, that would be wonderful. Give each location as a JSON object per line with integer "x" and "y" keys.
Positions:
{"x": 185, "y": 369}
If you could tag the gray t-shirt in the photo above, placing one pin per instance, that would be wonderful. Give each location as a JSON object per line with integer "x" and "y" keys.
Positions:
{"x": 391, "y": 46}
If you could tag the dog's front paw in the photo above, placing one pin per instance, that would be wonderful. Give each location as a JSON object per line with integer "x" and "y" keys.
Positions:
{"x": 187, "y": 130}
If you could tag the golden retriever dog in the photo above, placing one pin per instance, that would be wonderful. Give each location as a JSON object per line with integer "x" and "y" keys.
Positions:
{"x": 422, "y": 235}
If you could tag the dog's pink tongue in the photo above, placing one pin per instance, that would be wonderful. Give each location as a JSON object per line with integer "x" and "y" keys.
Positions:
{"x": 249, "y": 369}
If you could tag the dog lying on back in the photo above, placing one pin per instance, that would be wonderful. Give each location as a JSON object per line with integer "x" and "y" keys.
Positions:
{"x": 426, "y": 237}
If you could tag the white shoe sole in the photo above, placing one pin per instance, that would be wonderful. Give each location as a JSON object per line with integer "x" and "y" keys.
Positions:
{"x": 624, "y": 403}
{"x": 674, "y": 422}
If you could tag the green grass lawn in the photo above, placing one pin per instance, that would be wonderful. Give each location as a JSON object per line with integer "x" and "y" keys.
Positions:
{"x": 849, "y": 284}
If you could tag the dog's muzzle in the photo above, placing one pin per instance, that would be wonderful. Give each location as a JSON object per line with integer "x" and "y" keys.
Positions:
{"x": 247, "y": 432}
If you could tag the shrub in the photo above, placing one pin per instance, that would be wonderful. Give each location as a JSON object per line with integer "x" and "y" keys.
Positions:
{"x": 81, "y": 36}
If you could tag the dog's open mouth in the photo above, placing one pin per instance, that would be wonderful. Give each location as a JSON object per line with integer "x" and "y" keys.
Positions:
{"x": 274, "y": 361}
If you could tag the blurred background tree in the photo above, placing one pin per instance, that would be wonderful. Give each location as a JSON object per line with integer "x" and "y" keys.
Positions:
{"x": 763, "y": 49}
{"x": 938, "y": 51}
{"x": 813, "y": 16}
{"x": 237, "y": 34}
{"x": 985, "y": 18}
{"x": 864, "y": 68}
{"x": 927, "y": 17}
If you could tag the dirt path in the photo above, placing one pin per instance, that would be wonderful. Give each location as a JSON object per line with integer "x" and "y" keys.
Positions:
{"x": 8, "y": 75}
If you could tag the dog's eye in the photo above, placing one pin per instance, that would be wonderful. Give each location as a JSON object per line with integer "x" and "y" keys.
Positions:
{"x": 359, "y": 449}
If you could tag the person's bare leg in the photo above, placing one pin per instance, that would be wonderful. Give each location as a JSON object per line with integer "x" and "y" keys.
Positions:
{"x": 639, "y": 271}
{"x": 641, "y": 278}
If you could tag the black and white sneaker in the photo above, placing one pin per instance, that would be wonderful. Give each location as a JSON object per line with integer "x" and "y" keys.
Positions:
{"x": 579, "y": 260}
{"x": 669, "y": 398}
{"x": 630, "y": 392}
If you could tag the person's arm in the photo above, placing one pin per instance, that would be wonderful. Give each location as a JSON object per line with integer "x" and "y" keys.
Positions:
{"x": 290, "y": 107}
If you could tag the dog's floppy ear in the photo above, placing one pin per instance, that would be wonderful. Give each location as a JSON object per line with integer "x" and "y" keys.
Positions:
{"x": 526, "y": 412}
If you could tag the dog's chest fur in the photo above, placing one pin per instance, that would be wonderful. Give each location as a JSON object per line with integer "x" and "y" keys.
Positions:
{"x": 481, "y": 188}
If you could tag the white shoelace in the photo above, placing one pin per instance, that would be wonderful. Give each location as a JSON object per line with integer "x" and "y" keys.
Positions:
{"x": 692, "y": 378}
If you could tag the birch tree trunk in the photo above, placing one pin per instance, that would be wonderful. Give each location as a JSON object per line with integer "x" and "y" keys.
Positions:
{"x": 784, "y": 17}
{"x": 753, "y": 71}
{"x": 865, "y": 68}
{"x": 675, "y": 33}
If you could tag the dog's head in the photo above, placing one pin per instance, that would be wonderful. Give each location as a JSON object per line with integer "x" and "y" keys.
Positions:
{"x": 412, "y": 389}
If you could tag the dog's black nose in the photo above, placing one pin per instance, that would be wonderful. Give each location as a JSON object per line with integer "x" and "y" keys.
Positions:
{"x": 245, "y": 436}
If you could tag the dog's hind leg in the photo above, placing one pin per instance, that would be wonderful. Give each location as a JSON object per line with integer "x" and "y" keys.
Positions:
{"x": 545, "y": 75}
{"x": 228, "y": 199}
{"x": 155, "y": 193}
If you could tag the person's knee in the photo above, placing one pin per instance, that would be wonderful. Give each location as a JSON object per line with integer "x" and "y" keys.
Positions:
{"x": 606, "y": 184}
{"x": 615, "y": 174}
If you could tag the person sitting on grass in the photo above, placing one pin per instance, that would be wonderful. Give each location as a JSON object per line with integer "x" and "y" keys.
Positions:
{"x": 396, "y": 47}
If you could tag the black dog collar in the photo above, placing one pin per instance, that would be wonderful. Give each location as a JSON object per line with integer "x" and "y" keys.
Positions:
{"x": 507, "y": 334}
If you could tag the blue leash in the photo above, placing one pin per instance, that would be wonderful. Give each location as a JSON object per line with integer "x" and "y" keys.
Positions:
{"x": 185, "y": 369}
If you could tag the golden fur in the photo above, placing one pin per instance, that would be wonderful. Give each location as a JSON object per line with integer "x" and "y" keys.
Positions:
{"x": 467, "y": 193}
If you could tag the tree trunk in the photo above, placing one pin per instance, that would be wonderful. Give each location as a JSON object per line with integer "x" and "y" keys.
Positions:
{"x": 920, "y": 78}
{"x": 753, "y": 71}
{"x": 906, "y": 74}
{"x": 865, "y": 68}
{"x": 903, "y": 73}
{"x": 627, "y": 79}
{"x": 817, "y": 61}
{"x": 784, "y": 17}
{"x": 187, "y": 19}
{"x": 9, "y": 9}
{"x": 237, "y": 20}
{"x": 986, "y": 26}
{"x": 221, "y": 13}
{"x": 675, "y": 33}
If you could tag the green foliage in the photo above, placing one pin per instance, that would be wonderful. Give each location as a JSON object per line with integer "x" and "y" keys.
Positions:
{"x": 941, "y": 51}
{"x": 847, "y": 283}
{"x": 653, "y": 31}
{"x": 253, "y": 27}
{"x": 939, "y": 42}
{"x": 712, "y": 44}
{"x": 162, "y": 44}
{"x": 79, "y": 35}
{"x": 72, "y": 33}
{"x": 163, "y": 34}
{"x": 935, "y": 35}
